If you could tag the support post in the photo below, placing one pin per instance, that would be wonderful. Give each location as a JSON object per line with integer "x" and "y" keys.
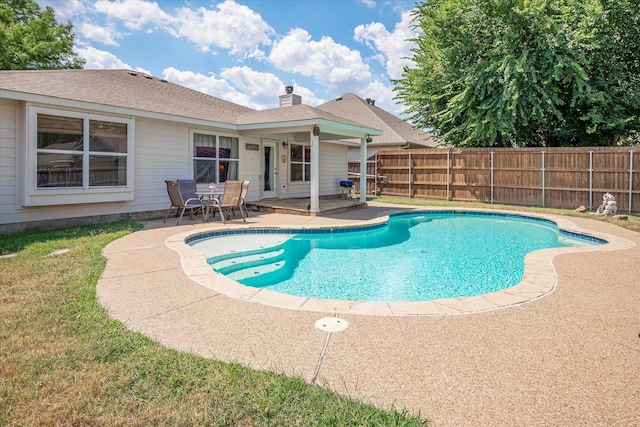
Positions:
{"x": 314, "y": 206}
{"x": 363, "y": 170}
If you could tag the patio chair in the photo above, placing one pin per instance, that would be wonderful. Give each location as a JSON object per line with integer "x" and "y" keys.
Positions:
{"x": 177, "y": 201}
{"x": 229, "y": 200}
{"x": 188, "y": 189}
{"x": 242, "y": 206}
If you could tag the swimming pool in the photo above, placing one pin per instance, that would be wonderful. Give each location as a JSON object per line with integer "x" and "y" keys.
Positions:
{"x": 416, "y": 256}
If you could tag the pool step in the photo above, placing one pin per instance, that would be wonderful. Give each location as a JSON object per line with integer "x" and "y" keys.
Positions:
{"x": 247, "y": 265}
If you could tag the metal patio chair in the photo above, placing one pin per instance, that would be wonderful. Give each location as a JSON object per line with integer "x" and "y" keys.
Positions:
{"x": 229, "y": 200}
{"x": 243, "y": 194}
{"x": 177, "y": 201}
{"x": 188, "y": 189}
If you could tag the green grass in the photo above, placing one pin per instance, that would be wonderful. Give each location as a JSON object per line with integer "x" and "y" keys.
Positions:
{"x": 65, "y": 362}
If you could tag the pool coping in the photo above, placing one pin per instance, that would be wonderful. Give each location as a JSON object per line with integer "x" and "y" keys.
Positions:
{"x": 539, "y": 277}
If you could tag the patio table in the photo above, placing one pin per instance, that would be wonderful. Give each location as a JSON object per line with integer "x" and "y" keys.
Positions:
{"x": 210, "y": 195}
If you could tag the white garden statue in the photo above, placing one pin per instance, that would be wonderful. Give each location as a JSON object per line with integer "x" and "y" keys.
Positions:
{"x": 608, "y": 206}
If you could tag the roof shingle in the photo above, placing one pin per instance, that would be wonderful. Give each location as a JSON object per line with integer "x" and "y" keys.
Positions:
{"x": 394, "y": 130}
{"x": 123, "y": 89}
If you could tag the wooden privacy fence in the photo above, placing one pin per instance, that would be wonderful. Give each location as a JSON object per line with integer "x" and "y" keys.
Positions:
{"x": 551, "y": 177}
{"x": 373, "y": 178}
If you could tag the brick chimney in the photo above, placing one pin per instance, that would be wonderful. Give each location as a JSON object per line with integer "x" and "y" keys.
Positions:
{"x": 290, "y": 98}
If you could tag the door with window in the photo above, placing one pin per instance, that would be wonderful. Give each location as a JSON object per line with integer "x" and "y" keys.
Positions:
{"x": 269, "y": 169}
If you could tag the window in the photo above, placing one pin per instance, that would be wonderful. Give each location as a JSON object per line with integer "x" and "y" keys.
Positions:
{"x": 75, "y": 157}
{"x": 64, "y": 159}
{"x": 300, "y": 162}
{"x": 215, "y": 158}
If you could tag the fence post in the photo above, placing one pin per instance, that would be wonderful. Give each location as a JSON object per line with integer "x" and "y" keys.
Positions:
{"x": 630, "y": 179}
{"x": 542, "y": 178}
{"x": 410, "y": 175}
{"x": 492, "y": 177}
{"x": 590, "y": 180}
{"x": 375, "y": 174}
{"x": 448, "y": 174}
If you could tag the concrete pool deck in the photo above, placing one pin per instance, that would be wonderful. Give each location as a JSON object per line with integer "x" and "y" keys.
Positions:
{"x": 563, "y": 356}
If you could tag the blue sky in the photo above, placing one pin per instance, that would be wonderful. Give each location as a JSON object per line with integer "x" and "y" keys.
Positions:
{"x": 246, "y": 51}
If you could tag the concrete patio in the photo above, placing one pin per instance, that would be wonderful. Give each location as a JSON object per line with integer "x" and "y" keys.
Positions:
{"x": 569, "y": 357}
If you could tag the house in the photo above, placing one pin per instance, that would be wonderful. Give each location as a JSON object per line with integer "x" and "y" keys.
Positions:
{"x": 396, "y": 133}
{"x": 84, "y": 145}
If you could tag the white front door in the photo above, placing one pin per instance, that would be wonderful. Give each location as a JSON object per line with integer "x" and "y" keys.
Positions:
{"x": 269, "y": 169}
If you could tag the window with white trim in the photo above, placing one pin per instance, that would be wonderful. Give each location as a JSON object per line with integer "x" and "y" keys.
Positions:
{"x": 215, "y": 158}
{"x": 65, "y": 159}
{"x": 299, "y": 162}
{"x": 75, "y": 157}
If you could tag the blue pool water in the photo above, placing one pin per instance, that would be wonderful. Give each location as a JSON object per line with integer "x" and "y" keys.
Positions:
{"x": 417, "y": 257}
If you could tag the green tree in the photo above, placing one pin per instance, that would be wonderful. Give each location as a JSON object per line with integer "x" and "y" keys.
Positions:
{"x": 525, "y": 72}
{"x": 30, "y": 38}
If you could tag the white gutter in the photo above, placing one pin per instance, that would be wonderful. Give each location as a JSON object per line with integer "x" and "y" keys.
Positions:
{"x": 102, "y": 108}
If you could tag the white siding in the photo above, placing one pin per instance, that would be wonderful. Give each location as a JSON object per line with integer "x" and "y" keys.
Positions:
{"x": 333, "y": 168}
{"x": 162, "y": 150}
{"x": 250, "y": 167}
{"x": 8, "y": 157}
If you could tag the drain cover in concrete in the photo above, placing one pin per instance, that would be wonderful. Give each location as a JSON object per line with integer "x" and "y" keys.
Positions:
{"x": 332, "y": 324}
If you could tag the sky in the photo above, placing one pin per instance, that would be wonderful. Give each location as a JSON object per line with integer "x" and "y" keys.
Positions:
{"x": 247, "y": 51}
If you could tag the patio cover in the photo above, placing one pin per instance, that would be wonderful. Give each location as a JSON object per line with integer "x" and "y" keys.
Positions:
{"x": 305, "y": 123}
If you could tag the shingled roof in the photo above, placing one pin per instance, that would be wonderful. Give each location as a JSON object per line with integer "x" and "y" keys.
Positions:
{"x": 136, "y": 91}
{"x": 123, "y": 89}
{"x": 394, "y": 130}
{"x": 291, "y": 113}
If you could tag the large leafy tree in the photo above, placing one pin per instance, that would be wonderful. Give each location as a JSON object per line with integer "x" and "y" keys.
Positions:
{"x": 30, "y": 38}
{"x": 525, "y": 72}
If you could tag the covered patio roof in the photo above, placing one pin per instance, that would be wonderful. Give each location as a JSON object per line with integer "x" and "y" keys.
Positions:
{"x": 303, "y": 123}
{"x": 297, "y": 120}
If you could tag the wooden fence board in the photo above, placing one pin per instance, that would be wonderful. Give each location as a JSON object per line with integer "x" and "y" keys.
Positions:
{"x": 553, "y": 177}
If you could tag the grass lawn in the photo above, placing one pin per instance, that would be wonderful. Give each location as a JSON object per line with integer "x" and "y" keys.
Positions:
{"x": 65, "y": 362}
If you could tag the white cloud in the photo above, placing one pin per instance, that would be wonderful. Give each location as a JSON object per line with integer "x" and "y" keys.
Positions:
{"x": 395, "y": 45}
{"x": 207, "y": 84}
{"x": 135, "y": 14}
{"x": 264, "y": 89}
{"x": 105, "y": 35}
{"x": 368, "y": 3}
{"x": 64, "y": 9}
{"x": 232, "y": 26}
{"x": 308, "y": 97}
{"x": 383, "y": 95}
{"x": 100, "y": 59}
{"x": 332, "y": 64}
